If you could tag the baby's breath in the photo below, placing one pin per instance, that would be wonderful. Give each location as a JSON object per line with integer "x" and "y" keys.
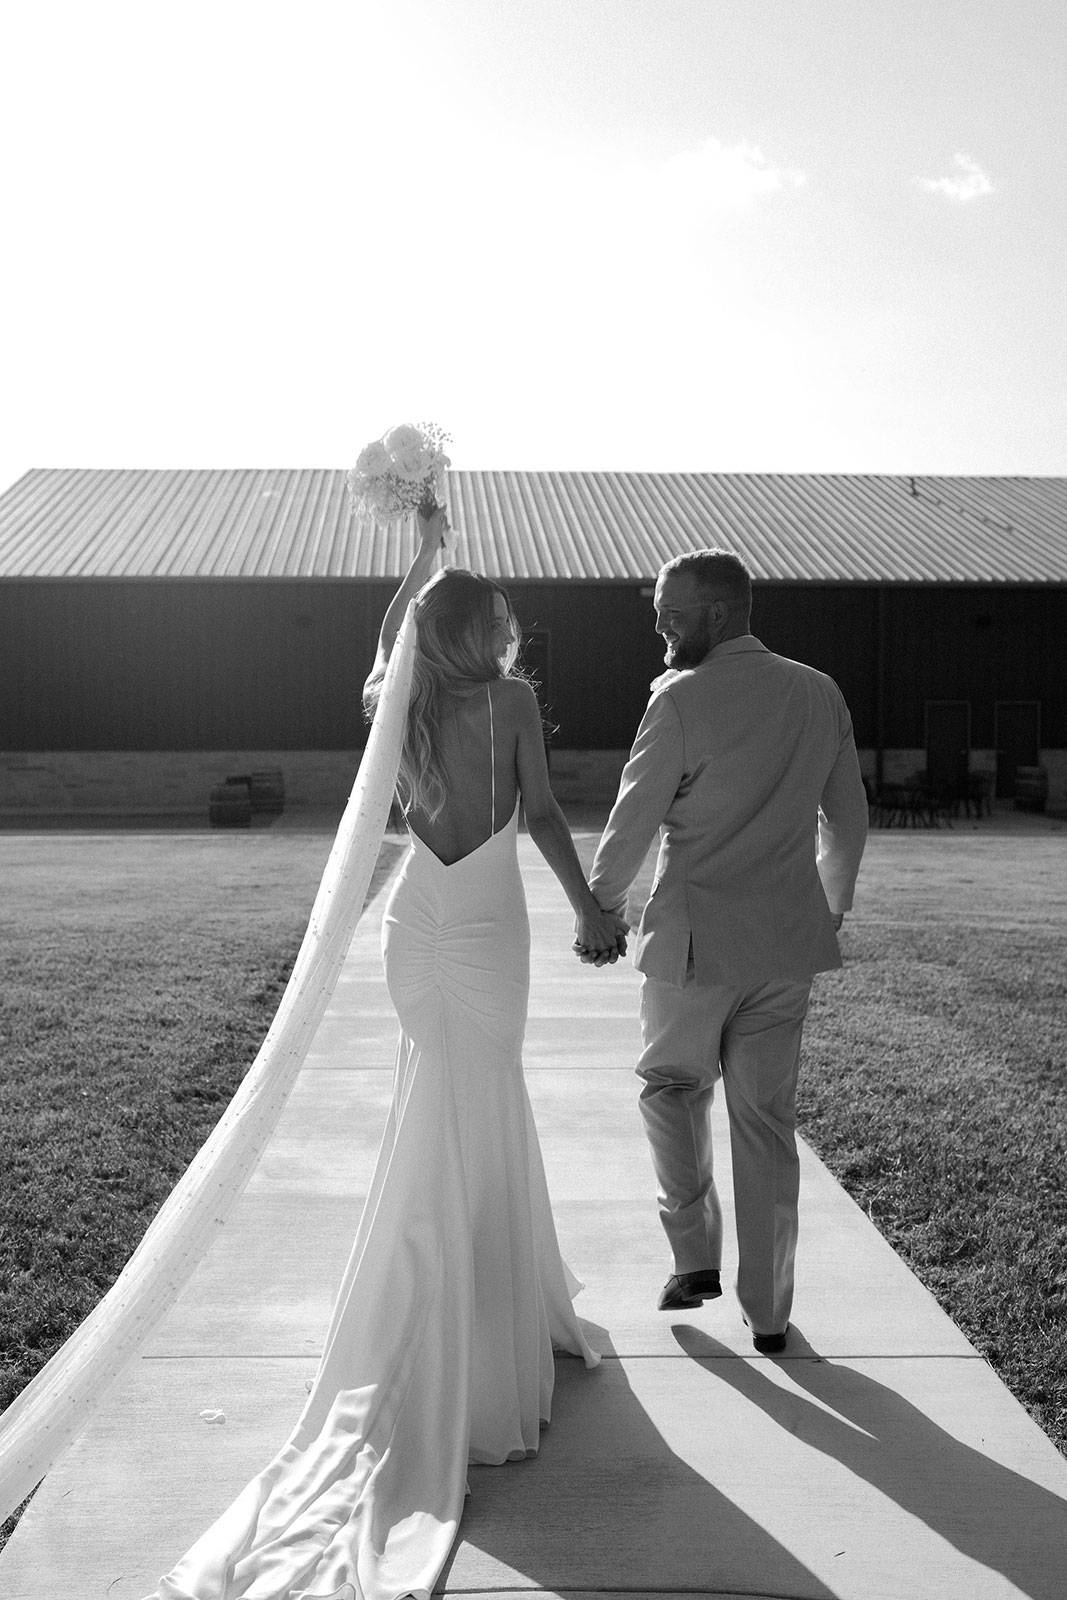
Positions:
{"x": 399, "y": 473}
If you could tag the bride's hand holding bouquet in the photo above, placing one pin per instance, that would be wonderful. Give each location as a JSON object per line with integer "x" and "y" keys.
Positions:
{"x": 402, "y": 472}
{"x": 434, "y": 529}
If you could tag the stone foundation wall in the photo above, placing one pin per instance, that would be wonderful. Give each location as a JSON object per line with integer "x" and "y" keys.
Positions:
{"x": 901, "y": 765}
{"x": 164, "y": 782}
{"x": 179, "y": 782}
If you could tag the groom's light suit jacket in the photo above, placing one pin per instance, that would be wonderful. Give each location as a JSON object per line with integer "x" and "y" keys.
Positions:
{"x": 748, "y": 766}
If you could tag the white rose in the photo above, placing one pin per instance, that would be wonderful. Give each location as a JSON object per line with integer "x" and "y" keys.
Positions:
{"x": 372, "y": 460}
{"x": 408, "y": 453}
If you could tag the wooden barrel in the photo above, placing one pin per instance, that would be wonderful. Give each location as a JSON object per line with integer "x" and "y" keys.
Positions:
{"x": 267, "y": 791}
{"x": 1031, "y": 788}
{"x": 230, "y": 805}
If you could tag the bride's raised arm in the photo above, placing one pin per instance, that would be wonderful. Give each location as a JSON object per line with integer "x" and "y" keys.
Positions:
{"x": 433, "y": 529}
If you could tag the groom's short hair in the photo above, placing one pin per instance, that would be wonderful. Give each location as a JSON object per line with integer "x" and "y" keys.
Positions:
{"x": 720, "y": 574}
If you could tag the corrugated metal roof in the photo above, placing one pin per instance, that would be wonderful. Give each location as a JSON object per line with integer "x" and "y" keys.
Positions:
{"x": 539, "y": 525}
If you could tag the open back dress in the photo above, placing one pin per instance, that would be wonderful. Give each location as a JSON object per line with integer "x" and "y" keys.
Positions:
{"x": 440, "y": 1345}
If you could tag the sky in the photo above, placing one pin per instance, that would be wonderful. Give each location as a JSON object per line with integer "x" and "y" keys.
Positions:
{"x": 655, "y": 235}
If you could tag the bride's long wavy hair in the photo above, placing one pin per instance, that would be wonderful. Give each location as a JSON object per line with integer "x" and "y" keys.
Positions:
{"x": 455, "y": 648}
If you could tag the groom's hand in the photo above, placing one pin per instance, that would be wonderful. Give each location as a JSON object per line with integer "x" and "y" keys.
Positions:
{"x": 597, "y": 958}
{"x": 607, "y": 951}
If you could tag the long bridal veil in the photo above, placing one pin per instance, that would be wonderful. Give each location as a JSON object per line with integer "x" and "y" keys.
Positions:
{"x": 59, "y": 1401}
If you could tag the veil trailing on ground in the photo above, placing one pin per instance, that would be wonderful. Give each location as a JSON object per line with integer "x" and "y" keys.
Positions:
{"x": 57, "y": 1404}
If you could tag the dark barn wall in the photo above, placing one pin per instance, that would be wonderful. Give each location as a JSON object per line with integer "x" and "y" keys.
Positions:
{"x": 980, "y": 644}
{"x": 603, "y": 650}
{"x": 833, "y": 629}
{"x": 177, "y": 664}
{"x": 603, "y": 653}
{"x": 184, "y": 665}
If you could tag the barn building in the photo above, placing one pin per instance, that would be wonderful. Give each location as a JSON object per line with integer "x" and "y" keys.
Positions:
{"x": 162, "y": 629}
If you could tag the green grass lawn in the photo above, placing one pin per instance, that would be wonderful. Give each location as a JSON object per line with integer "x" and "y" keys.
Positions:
{"x": 138, "y": 975}
{"x": 140, "y": 972}
{"x": 935, "y": 1087}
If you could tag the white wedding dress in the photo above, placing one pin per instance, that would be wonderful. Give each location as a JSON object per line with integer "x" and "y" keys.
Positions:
{"x": 439, "y": 1350}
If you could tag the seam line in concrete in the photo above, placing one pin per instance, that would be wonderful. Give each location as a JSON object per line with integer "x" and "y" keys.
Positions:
{"x": 615, "y": 1355}
{"x": 648, "y": 1594}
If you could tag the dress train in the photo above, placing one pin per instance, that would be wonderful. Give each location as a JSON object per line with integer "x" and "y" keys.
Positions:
{"x": 440, "y": 1346}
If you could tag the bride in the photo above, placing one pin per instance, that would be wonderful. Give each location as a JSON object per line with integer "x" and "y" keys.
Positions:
{"x": 440, "y": 1345}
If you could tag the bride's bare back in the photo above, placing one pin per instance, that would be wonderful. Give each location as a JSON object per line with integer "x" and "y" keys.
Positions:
{"x": 473, "y": 809}
{"x": 476, "y": 806}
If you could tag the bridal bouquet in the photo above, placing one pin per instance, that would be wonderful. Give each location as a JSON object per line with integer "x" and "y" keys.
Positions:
{"x": 401, "y": 472}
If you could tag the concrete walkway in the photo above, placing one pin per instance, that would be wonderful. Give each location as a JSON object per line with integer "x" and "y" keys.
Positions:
{"x": 880, "y": 1459}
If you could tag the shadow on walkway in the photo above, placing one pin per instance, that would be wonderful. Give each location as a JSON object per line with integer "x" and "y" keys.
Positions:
{"x": 609, "y": 1506}
{"x": 989, "y": 1513}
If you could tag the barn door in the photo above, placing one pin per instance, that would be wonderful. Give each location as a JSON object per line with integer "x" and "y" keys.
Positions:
{"x": 1017, "y": 735}
{"x": 948, "y": 744}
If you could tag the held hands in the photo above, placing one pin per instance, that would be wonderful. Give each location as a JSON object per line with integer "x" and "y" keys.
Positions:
{"x": 600, "y": 938}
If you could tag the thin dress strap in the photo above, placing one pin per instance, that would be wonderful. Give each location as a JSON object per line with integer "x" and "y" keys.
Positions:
{"x": 492, "y": 765}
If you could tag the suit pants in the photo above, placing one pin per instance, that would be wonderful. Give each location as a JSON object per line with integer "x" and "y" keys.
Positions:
{"x": 694, "y": 1034}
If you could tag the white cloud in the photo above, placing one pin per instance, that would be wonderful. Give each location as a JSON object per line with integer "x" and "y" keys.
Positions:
{"x": 712, "y": 179}
{"x": 969, "y": 183}
{"x": 728, "y": 177}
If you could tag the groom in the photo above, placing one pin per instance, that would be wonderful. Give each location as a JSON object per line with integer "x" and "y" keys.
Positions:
{"x": 746, "y": 763}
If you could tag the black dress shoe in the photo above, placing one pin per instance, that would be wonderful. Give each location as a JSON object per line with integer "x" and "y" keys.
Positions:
{"x": 685, "y": 1290}
{"x": 770, "y": 1344}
